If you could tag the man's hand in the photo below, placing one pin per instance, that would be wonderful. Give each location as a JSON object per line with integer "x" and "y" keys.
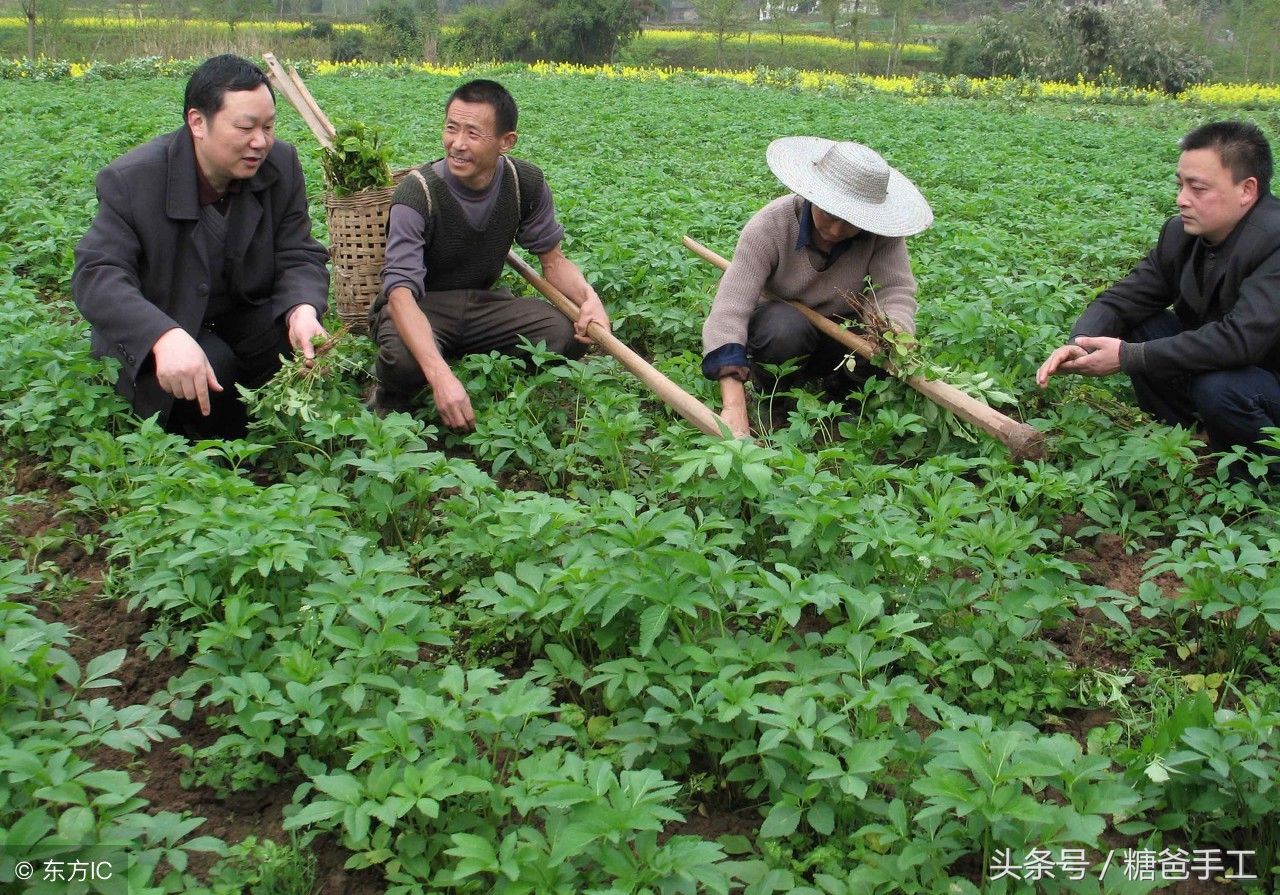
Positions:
{"x": 452, "y": 401}
{"x": 734, "y": 412}
{"x": 589, "y": 312}
{"x": 1087, "y": 356}
{"x": 183, "y": 369}
{"x": 1103, "y": 356}
{"x": 738, "y": 422}
{"x": 303, "y": 327}
{"x": 1061, "y": 356}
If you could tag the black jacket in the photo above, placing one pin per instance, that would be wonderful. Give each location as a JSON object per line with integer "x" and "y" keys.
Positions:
{"x": 140, "y": 272}
{"x": 1233, "y": 322}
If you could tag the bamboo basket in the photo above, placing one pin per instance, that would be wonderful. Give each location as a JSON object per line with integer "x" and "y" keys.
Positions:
{"x": 357, "y": 247}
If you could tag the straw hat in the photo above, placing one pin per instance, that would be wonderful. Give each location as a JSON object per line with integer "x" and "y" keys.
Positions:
{"x": 852, "y": 182}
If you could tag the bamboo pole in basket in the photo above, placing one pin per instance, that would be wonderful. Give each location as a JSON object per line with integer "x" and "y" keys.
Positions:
{"x": 296, "y": 80}
{"x": 357, "y": 223}
{"x": 1023, "y": 441}
{"x": 292, "y": 89}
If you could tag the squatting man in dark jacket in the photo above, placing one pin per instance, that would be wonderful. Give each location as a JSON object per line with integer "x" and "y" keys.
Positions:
{"x": 1215, "y": 355}
{"x": 199, "y": 269}
{"x": 451, "y": 224}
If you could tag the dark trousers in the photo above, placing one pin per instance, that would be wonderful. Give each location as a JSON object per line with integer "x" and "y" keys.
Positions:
{"x": 778, "y": 332}
{"x": 469, "y": 321}
{"x": 1233, "y": 405}
{"x": 244, "y": 347}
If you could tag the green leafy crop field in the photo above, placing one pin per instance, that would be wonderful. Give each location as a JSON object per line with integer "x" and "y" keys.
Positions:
{"x": 587, "y": 649}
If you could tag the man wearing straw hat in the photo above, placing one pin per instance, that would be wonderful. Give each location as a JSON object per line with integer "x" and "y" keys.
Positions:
{"x": 843, "y": 226}
{"x": 199, "y": 270}
{"x": 451, "y": 225}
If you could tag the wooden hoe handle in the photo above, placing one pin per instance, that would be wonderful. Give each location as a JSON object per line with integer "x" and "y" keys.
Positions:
{"x": 673, "y": 395}
{"x": 1023, "y": 441}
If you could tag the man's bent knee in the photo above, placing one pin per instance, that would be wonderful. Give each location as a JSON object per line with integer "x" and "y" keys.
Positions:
{"x": 1236, "y": 405}
{"x": 221, "y": 357}
{"x": 1233, "y": 391}
{"x": 555, "y": 332}
{"x": 574, "y": 350}
{"x": 396, "y": 368}
{"x": 1160, "y": 325}
{"x": 561, "y": 335}
{"x": 779, "y": 332}
{"x": 399, "y": 372}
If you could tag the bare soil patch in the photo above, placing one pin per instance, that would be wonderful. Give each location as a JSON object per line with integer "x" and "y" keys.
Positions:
{"x": 101, "y": 625}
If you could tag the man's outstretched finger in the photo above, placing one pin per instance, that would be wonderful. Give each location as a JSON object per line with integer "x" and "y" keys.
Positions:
{"x": 1060, "y": 356}
{"x": 203, "y": 386}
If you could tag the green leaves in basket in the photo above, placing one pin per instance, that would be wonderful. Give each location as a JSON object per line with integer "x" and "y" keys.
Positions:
{"x": 358, "y": 160}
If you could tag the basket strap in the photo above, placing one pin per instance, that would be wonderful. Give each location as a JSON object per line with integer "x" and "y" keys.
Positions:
{"x": 515, "y": 175}
{"x": 426, "y": 191}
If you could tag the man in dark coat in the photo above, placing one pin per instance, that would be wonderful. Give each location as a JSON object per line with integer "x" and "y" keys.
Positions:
{"x": 199, "y": 270}
{"x": 1215, "y": 355}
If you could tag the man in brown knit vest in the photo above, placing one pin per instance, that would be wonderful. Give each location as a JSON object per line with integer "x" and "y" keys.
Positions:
{"x": 844, "y": 224}
{"x": 451, "y": 225}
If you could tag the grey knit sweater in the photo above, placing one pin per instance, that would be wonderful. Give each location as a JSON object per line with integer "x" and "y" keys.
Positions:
{"x": 767, "y": 258}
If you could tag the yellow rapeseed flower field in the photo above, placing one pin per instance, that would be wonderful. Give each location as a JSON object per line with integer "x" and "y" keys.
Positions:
{"x": 803, "y": 40}
{"x": 1233, "y": 94}
{"x": 1080, "y": 91}
{"x": 330, "y": 68}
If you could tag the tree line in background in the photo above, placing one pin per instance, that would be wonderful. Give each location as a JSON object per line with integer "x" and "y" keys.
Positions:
{"x": 583, "y": 31}
{"x": 1137, "y": 42}
{"x": 1144, "y": 43}
{"x": 1148, "y": 43}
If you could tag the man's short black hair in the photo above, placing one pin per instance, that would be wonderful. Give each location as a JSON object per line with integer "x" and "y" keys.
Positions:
{"x": 210, "y": 82}
{"x": 1240, "y": 144}
{"x": 493, "y": 95}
